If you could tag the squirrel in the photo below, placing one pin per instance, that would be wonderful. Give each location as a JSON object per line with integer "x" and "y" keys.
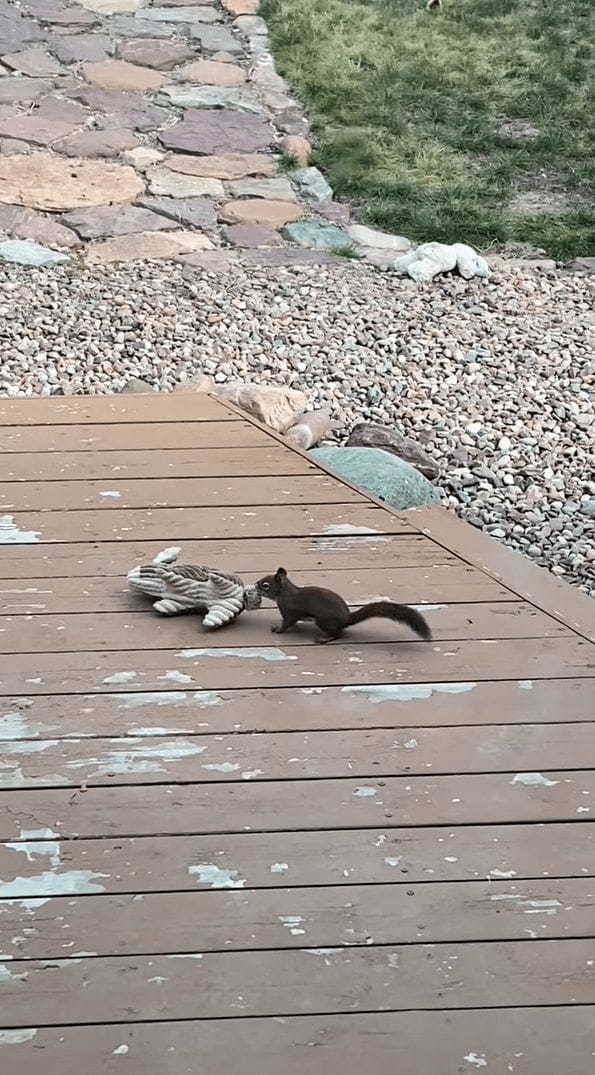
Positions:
{"x": 328, "y": 610}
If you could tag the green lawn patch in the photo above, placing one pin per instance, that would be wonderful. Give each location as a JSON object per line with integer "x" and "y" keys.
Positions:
{"x": 473, "y": 123}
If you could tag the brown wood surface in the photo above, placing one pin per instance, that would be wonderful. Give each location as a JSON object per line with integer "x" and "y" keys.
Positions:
{"x": 240, "y": 920}
{"x": 127, "y": 436}
{"x": 276, "y": 806}
{"x": 381, "y": 554}
{"x": 39, "y": 868}
{"x": 570, "y": 604}
{"x": 280, "y": 664}
{"x": 118, "y": 494}
{"x": 443, "y": 585}
{"x": 310, "y": 755}
{"x": 421, "y": 811}
{"x": 542, "y": 1040}
{"x": 123, "y": 631}
{"x": 339, "y": 980}
{"x": 127, "y": 465}
{"x": 179, "y": 524}
{"x": 152, "y": 407}
{"x": 183, "y": 712}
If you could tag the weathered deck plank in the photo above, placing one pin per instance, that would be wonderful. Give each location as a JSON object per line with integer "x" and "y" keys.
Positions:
{"x": 148, "y": 630}
{"x": 296, "y": 755}
{"x": 379, "y": 856}
{"x": 278, "y": 806}
{"x": 182, "y": 813}
{"x": 184, "y": 712}
{"x": 412, "y": 1043}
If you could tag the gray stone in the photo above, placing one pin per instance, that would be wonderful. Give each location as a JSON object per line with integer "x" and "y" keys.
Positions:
{"x": 179, "y": 185}
{"x": 215, "y": 262}
{"x": 120, "y": 109}
{"x": 20, "y": 223}
{"x": 384, "y": 475}
{"x": 279, "y": 187}
{"x": 582, "y": 265}
{"x": 106, "y": 144}
{"x": 215, "y": 38}
{"x": 25, "y": 252}
{"x": 588, "y": 507}
{"x": 16, "y": 31}
{"x": 194, "y": 212}
{"x": 34, "y": 61}
{"x": 187, "y": 13}
{"x": 381, "y": 240}
{"x": 218, "y": 132}
{"x": 22, "y": 90}
{"x": 131, "y": 26}
{"x": 61, "y": 110}
{"x": 312, "y": 184}
{"x": 251, "y": 24}
{"x": 107, "y": 221}
{"x": 251, "y": 236}
{"x": 335, "y": 212}
{"x": 154, "y": 52}
{"x": 371, "y": 435}
{"x": 81, "y": 48}
{"x": 288, "y": 256}
{"x": 242, "y": 98}
{"x": 319, "y": 236}
{"x": 34, "y": 128}
{"x": 9, "y": 146}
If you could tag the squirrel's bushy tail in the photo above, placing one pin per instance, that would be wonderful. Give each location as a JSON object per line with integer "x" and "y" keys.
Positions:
{"x": 389, "y": 610}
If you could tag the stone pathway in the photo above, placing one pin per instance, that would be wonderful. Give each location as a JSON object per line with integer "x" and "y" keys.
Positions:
{"x": 130, "y": 131}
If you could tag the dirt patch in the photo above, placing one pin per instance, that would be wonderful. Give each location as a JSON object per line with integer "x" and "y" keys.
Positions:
{"x": 518, "y": 130}
{"x": 540, "y": 193}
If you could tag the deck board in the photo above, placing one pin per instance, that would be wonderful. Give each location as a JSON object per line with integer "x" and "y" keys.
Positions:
{"x": 376, "y": 855}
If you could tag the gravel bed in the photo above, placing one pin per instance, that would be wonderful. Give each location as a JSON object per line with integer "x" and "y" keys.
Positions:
{"x": 494, "y": 379}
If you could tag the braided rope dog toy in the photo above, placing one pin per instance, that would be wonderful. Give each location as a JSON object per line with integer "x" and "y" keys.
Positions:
{"x": 183, "y": 587}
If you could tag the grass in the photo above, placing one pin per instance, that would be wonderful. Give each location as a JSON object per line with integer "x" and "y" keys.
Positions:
{"x": 432, "y": 123}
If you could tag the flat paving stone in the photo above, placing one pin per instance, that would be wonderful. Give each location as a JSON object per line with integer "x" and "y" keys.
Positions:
{"x": 204, "y": 131}
{"x": 241, "y": 7}
{"x": 40, "y": 130}
{"x": 289, "y": 256}
{"x": 44, "y": 181}
{"x": 216, "y": 38}
{"x": 131, "y": 26}
{"x": 213, "y": 73}
{"x": 35, "y": 62}
{"x": 142, "y": 157}
{"x": 120, "y": 75}
{"x": 187, "y": 13}
{"x": 10, "y": 146}
{"x": 251, "y": 237}
{"x": 127, "y": 110}
{"x": 242, "y": 98}
{"x": 109, "y": 221}
{"x": 156, "y": 53}
{"x": 22, "y": 90}
{"x": 216, "y": 262}
{"x": 61, "y": 109}
{"x": 178, "y": 185}
{"x": 110, "y": 7}
{"x": 105, "y": 143}
{"x": 223, "y": 165}
{"x": 279, "y": 189}
{"x": 20, "y": 223}
{"x": 195, "y": 212}
{"x": 260, "y": 211}
{"x": 148, "y": 244}
{"x": 25, "y": 252}
{"x": 78, "y": 48}
{"x": 16, "y": 31}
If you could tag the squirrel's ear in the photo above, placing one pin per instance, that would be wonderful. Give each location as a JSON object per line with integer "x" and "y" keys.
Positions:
{"x": 281, "y": 573}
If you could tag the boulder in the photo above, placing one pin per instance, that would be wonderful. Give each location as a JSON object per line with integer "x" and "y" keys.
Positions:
{"x": 370, "y": 435}
{"x": 387, "y": 477}
{"x": 275, "y": 406}
{"x": 311, "y": 428}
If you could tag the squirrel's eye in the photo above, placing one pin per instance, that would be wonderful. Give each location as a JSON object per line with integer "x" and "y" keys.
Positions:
{"x": 265, "y": 586}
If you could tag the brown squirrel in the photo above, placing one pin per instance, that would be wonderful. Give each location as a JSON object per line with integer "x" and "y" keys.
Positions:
{"x": 328, "y": 610}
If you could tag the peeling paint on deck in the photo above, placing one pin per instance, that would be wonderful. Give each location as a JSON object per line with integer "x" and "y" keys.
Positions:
{"x": 204, "y": 700}
{"x": 17, "y": 1037}
{"x": 406, "y": 692}
{"x": 534, "y": 780}
{"x": 215, "y": 877}
{"x": 262, "y": 653}
{"x": 341, "y": 537}
{"x": 11, "y": 535}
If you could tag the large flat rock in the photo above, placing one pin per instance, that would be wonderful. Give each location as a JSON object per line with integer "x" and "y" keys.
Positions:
{"x": 42, "y": 181}
{"x": 109, "y": 221}
{"x": 218, "y": 132}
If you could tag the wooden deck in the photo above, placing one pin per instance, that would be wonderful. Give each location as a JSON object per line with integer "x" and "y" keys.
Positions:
{"x": 232, "y": 853}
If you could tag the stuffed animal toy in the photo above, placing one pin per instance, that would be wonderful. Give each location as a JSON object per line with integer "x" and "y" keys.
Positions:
{"x": 183, "y": 587}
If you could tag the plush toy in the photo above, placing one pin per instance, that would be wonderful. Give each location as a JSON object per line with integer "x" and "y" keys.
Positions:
{"x": 429, "y": 259}
{"x": 182, "y": 587}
